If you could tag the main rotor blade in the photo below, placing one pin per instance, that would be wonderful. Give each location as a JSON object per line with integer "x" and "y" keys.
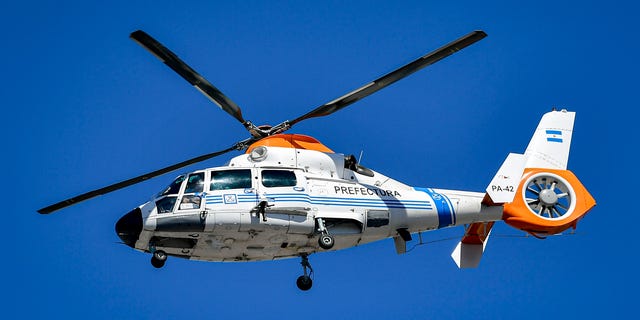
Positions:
{"x": 129, "y": 182}
{"x": 170, "y": 59}
{"x": 386, "y": 80}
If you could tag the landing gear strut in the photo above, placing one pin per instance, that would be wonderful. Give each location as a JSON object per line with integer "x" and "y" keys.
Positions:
{"x": 158, "y": 258}
{"x": 304, "y": 281}
{"x": 326, "y": 241}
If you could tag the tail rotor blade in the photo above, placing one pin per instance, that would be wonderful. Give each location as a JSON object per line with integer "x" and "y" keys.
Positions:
{"x": 170, "y": 59}
{"x": 388, "y": 79}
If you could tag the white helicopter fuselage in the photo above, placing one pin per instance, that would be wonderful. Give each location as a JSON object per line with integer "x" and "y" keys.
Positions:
{"x": 275, "y": 202}
{"x": 290, "y": 196}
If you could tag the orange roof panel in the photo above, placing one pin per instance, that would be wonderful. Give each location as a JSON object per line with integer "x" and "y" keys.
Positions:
{"x": 297, "y": 141}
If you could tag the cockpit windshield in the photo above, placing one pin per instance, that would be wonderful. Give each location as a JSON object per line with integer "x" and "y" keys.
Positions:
{"x": 173, "y": 188}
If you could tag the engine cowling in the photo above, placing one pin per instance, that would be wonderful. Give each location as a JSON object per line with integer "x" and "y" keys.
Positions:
{"x": 548, "y": 201}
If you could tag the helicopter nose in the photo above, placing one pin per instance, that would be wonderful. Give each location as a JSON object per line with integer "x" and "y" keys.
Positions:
{"x": 129, "y": 227}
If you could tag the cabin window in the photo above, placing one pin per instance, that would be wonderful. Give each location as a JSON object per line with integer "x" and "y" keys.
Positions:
{"x": 278, "y": 178}
{"x": 377, "y": 218}
{"x": 230, "y": 179}
{"x": 195, "y": 183}
{"x": 165, "y": 205}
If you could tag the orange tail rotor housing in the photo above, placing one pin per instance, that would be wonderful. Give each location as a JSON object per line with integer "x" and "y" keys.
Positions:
{"x": 548, "y": 201}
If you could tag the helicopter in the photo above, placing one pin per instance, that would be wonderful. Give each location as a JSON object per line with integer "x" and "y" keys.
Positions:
{"x": 290, "y": 196}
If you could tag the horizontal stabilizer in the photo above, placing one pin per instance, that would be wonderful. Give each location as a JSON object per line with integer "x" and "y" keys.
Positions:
{"x": 469, "y": 250}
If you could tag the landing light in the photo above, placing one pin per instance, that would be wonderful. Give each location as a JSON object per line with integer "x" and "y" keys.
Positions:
{"x": 258, "y": 154}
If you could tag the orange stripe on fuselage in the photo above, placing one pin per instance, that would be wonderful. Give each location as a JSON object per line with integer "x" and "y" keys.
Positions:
{"x": 297, "y": 141}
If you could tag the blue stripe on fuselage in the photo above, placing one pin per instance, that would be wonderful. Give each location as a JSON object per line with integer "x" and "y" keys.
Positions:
{"x": 446, "y": 214}
{"x": 331, "y": 201}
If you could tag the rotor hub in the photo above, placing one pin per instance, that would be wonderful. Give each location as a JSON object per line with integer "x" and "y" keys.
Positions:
{"x": 548, "y": 197}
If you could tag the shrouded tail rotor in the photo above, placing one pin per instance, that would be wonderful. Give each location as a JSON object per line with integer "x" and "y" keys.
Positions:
{"x": 549, "y": 196}
{"x": 548, "y": 201}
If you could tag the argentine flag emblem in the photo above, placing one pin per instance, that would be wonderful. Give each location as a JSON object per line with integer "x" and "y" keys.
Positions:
{"x": 554, "y": 136}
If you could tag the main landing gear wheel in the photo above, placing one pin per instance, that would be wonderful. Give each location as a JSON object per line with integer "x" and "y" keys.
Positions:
{"x": 326, "y": 241}
{"x": 304, "y": 282}
{"x": 158, "y": 258}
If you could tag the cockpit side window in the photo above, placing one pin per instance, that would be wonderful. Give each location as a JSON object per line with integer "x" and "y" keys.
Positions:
{"x": 173, "y": 188}
{"x": 192, "y": 198}
{"x": 195, "y": 183}
{"x": 230, "y": 179}
{"x": 278, "y": 178}
{"x": 167, "y": 198}
{"x": 165, "y": 205}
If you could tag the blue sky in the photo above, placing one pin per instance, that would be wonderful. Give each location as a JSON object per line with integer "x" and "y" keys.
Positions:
{"x": 86, "y": 107}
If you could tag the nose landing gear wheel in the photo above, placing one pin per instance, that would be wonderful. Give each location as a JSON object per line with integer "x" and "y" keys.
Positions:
{"x": 158, "y": 258}
{"x": 304, "y": 283}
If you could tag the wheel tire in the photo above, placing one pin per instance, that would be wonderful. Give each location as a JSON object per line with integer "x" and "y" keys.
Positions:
{"x": 160, "y": 255}
{"x": 157, "y": 263}
{"x": 326, "y": 241}
{"x": 304, "y": 283}
{"x": 158, "y": 258}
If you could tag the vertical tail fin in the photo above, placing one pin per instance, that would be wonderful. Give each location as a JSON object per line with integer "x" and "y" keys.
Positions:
{"x": 550, "y": 144}
{"x": 537, "y": 192}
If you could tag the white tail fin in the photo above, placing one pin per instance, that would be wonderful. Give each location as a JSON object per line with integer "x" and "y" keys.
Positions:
{"x": 505, "y": 183}
{"x": 549, "y": 147}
